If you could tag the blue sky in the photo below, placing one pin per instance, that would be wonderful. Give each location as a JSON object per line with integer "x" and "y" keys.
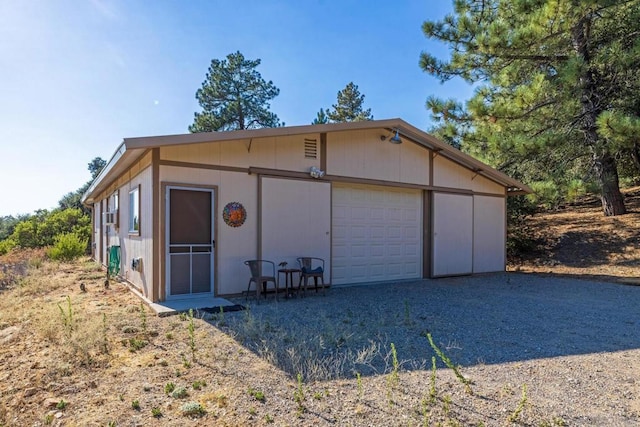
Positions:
{"x": 78, "y": 76}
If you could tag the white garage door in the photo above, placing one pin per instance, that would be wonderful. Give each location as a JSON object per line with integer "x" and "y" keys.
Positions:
{"x": 376, "y": 233}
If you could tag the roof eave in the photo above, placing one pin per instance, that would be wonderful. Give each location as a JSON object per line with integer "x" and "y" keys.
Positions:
{"x": 131, "y": 148}
{"x": 120, "y": 160}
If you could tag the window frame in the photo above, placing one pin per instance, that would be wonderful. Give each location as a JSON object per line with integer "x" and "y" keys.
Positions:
{"x": 134, "y": 211}
{"x": 115, "y": 202}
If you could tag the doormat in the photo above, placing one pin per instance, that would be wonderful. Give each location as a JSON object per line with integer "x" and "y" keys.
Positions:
{"x": 224, "y": 308}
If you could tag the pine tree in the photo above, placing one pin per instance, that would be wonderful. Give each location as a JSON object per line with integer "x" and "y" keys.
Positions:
{"x": 234, "y": 96}
{"x": 550, "y": 74}
{"x": 321, "y": 118}
{"x": 349, "y": 107}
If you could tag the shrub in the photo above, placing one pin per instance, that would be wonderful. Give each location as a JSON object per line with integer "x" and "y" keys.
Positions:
{"x": 6, "y": 246}
{"x": 191, "y": 409}
{"x": 575, "y": 189}
{"x": 44, "y": 227}
{"x": 520, "y": 238}
{"x": 67, "y": 247}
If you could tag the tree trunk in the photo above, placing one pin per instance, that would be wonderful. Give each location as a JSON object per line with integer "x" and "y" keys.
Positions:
{"x": 607, "y": 172}
{"x": 604, "y": 163}
{"x": 635, "y": 155}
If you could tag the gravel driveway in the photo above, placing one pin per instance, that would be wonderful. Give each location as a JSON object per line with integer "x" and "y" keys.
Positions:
{"x": 483, "y": 319}
{"x": 574, "y": 343}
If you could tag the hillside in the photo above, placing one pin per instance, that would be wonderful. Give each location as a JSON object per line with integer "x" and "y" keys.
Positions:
{"x": 578, "y": 241}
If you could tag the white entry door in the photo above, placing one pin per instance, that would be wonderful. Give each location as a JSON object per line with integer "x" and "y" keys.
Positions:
{"x": 452, "y": 234}
{"x": 377, "y": 233}
{"x": 296, "y": 221}
{"x": 190, "y": 241}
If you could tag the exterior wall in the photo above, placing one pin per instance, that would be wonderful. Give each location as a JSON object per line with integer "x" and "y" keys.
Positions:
{"x": 480, "y": 184}
{"x": 233, "y": 245}
{"x": 97, "y": 235}
{"x": 489, "y": 234}
{"x": 285, "y": 153}
{"x": 133, "y": 245}
{"x": 361, "y": 154}
{"x": 104, "y": 240}
{"x": 451, "y": 175}
{"x": 296, "y": 221}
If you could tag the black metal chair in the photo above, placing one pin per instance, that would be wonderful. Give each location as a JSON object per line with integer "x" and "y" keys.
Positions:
{"x": 311, "y": 267}
{"x": 262, "y": 272}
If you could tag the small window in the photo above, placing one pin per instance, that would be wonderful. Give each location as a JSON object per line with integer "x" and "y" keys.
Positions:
{"x": 114, "y": 208}
{"x": 134, "y": 211}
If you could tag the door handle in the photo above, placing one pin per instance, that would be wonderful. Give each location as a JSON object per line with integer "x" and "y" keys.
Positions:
{"x": 213, "y": 243}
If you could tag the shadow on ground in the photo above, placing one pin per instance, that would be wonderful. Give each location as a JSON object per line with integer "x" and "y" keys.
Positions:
{"x": 490, "y": 319}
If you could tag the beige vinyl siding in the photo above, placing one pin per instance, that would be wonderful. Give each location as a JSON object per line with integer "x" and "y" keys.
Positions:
{"x": 233, "y": 245}
{"x": 361, "y": 154}
{"x": 450, "y": 174}
{"x": 103, "y": 234}
{"x": 137, "y": 246}
{"x": 296, "y": 221}
{"x": 97, "y": 235}
{"x": 489, "y": 230}
{"x": 480, "y": 184}
{"x": 284, "y": 153}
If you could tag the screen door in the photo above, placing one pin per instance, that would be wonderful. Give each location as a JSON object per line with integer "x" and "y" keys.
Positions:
{"x": 190, "y": 241}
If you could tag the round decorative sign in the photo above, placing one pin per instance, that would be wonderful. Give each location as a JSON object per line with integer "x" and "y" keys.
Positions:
{"x": 234, "y": 214}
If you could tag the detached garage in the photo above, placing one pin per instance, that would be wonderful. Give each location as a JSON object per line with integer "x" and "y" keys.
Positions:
{"x": 378, "y": 201}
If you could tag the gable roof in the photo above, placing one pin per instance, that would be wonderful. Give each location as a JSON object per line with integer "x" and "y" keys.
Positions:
{"x": 131, "y": 149}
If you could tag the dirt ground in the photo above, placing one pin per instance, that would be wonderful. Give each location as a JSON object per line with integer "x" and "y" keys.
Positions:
{"x": 74, "y": 352}
{"x": 579, "y": 241}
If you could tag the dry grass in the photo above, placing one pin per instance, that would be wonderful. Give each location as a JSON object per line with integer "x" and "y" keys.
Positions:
{"x": 95, "y": 351}
{"x": 107, "y": 354}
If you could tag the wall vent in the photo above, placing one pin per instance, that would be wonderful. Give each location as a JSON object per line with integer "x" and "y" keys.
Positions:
{"x": 310, "y": 148}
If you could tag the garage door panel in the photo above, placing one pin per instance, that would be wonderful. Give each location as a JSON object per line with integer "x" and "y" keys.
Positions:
{"x": 411, "y": 269}
{"x": 377, "y": 214}
{"x": 359, "y": 213}
{"x": 377, "y": 251}
{"x": 339, "y": 212}
{"x": 411, "y": 250}
{"x": 410, "y": 232}
{"x": 394, "y": 232}
{"x": 358, "y": 232}
{"x": 394, "y": 214}
{"x": 411, "y": 214}
{"x": 340, "y": 231}
{"x": 340, "y": 251}
{"x": 377, "y": 232}
{"x": 359, "y": 272}
{"x": 395, "y": 250}
{"x": 382, "y": 227}
{"x": 358, "y": 251}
